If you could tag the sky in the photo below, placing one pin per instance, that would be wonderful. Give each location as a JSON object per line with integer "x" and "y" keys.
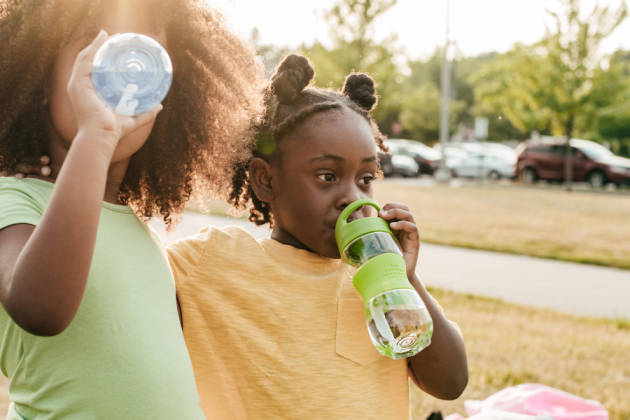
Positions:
{"x": 477, "y": 26}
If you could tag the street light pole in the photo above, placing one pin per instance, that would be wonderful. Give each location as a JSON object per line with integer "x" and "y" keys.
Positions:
{"x": 443, "y": 174}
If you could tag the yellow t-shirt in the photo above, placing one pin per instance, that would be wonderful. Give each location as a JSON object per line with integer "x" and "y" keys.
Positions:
{"x": 276, "y": 332}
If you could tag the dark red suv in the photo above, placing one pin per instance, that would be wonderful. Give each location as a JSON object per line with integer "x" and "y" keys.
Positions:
{"x": 592, "y": 163}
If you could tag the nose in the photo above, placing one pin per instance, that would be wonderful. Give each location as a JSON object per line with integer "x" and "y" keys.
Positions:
{"x": 347, "y": 196}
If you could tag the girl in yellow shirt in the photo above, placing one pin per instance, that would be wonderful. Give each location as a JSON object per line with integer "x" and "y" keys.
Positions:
{"x": 274, "y": 328}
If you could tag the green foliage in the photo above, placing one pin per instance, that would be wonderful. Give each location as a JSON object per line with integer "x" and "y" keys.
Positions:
{"x": 353, "y": 20}
{"x": 420, "y": 105}
{"x": 556, "y": 86}
{"x": 557, "y": 83}
{"x": 509, "y": 85}
{"x": 623, "y": 323}
{"x": 420, "y": 114}
{"x": 351, "y": 24}
{"x": 612, "y": 122}
{"x": 333, "y": 65}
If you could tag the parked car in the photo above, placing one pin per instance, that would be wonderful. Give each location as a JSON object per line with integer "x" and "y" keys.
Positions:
{"x": 404, "y": 165}
{"x": 499, "y": 147}
{"x": 483, "y": 148}
{"x": 492, "y": 165}
{"x": 454, "y": 156}
{"x": 592, "y": 163}
{"x": 386, "y": 163}
{"x": 427, "y": 158}
{"x": 480, "y": 160}
{"x": 393, "y": 163}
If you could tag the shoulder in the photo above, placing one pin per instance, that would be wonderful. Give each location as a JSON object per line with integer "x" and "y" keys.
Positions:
{"x": 213, "y": 237}
{"x": 207, "y": 247}
{"x": 25, "y": 186}
{"x": 16, "y": 190}
{"x": 22, "y": 201}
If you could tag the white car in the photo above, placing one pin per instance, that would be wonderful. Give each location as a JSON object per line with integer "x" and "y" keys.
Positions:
{"x": 484, "y": 148}
{"x": 492, "y": 165}
{"x": 427, "y": 158}
{"x": 415, "y": 146}
{"x": 454, "y": 156}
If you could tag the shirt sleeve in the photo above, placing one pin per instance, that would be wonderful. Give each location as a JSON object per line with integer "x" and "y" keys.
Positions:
{"x": 19, "y": 204}
{"x": 185, "y": 254}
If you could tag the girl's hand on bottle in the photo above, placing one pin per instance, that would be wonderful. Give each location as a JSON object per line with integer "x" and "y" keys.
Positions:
{"x": 404, "y": 227}
{"x": 94, "y": 118}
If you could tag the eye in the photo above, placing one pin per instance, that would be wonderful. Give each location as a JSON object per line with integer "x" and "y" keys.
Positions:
{"x": 366, "y": 180}
{"x": 327, "y": 177}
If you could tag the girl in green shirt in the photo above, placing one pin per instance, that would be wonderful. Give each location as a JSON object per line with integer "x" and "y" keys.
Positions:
{"x": 89, "y": 326}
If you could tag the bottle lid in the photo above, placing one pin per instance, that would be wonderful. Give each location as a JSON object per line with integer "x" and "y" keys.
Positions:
{"x": 346, "y": 232}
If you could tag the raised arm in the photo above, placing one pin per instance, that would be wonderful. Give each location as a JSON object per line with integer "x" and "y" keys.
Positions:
{"x": 44, "y": 269}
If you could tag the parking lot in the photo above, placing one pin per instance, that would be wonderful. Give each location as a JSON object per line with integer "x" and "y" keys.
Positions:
{"x": 541, "y": 163}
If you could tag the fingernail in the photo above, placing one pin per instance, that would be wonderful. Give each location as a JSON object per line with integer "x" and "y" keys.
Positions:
{"x": 19, "y": 176}
{"x": 45, "y": 171}
{"x": 102, "y": 33}
{"x": 42, "y": 159}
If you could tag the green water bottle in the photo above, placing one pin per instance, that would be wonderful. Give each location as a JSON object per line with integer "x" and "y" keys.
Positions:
{"x": 397, "y": 319}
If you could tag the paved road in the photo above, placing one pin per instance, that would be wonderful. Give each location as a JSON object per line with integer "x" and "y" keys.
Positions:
{"x": 567, "y": 287}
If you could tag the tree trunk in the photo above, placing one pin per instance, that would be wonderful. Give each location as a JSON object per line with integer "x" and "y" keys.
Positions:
{"x": 568, "y": 157}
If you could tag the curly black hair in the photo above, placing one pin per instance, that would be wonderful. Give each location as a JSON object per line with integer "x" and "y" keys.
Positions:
{"x": 205, "y": 129}
{"x": 289, "y": 103}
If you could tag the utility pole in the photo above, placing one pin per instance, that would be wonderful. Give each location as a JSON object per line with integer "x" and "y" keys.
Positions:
{"x": 443, "y": 173}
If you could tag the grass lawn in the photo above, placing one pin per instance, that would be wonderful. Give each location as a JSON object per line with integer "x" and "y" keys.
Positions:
{"x": 510, "y": 344}
{"x": 581, "y": 227}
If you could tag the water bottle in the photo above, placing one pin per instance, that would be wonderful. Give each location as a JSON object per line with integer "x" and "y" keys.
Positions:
{"x": 132, "y": 73}
{"x": 397, "y": 319}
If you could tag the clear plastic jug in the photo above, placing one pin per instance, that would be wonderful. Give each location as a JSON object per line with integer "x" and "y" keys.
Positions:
{"x": 132, "y": 73}
{"x": 397, "y": 319}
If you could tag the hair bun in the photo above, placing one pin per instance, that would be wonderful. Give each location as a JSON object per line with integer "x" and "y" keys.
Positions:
{"x": 360, "y": 88}
{"x": 292, "y": 76}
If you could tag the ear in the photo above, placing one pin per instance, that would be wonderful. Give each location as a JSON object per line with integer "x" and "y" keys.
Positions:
{"x": 260, "y": 175}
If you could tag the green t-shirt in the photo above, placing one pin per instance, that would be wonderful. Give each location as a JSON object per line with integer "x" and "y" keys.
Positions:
{"x": 123, "y": 356}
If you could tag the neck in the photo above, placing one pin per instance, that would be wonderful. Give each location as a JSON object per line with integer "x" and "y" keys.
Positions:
{"x": 58, "y": 153}
{"x": 284, "y": 237}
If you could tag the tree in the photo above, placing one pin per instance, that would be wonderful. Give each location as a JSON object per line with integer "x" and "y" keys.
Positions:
{"x": 551, "y": 84}
{"x": 510, "y": 84}
{"x": 420, "y": 114}
{"x": 613, "y": 121}
{"x": 351, "y": 24}
{"x": 333, "y": 65}
{"x": 420, "y": 99}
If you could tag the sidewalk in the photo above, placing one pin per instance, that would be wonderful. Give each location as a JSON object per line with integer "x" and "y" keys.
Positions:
{"x": 567, "y": 287}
